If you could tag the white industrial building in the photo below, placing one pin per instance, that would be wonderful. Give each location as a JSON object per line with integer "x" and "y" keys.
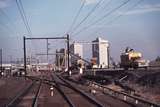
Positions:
{"x": 76, "y": 49}
{"x": 100, "y": 52}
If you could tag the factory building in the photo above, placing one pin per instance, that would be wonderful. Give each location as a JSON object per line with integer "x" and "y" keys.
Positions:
{"x": 100, "y": 52}
{"x": 76, "y": 49}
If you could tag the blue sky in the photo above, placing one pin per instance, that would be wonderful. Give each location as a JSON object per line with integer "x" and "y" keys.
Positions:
{"x": 138, "y": 28}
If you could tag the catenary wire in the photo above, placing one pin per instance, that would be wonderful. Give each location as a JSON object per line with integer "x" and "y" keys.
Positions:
{"x": 86, "y": 17}
{"x": 77, "y": 15}
{"x": 102, "y": 18}
{"x": 120, "y": 15}
{"x": 23, "y": 16}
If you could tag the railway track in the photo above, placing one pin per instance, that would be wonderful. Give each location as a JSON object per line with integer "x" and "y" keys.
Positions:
{"x": 28, "y": 95}
{"x": 75, "y": 97}
{"x": 115, "y": 96}
{"x": 134, "y": 101}
{"x": 9, "y": 87}
{"x": 78, "y": 96}
{"x": 105, "y": 99}
{"x": 56, "y": 90}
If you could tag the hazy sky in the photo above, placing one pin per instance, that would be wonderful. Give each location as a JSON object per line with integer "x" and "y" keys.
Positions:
{"x": 138, "y": 28}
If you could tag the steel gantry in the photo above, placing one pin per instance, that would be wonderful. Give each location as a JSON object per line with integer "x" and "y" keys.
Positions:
{"x": 44, "y": 38}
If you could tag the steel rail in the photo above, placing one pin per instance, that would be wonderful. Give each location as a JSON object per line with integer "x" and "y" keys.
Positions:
{"x": 58, "y": 87}
{"x": 107, "y": 94}
{"x": 129, "y": 103}
{"x": 85, "y": 95}
{"x": 137, "y": 99}
{"x": 18, "y": 95}
{"x": 45, "y": 81}
{"x": 35, "y": 99}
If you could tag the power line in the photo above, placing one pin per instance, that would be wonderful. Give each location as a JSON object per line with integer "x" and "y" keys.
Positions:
{"x": 3, "y": 13}
{"x": 129, "y": 9}
{"x": 23, "y": 16}
{"x": 106, "y": 15}
{"x": 100, "y": 19}
{"x": 76, "y": 17}
{"x": 120, "y": 15}
{"x": 24, "y": 13}
{"x": 107, "y": 4}
{"x": 24, "y": 19}
{"x": 102, "y": 9}
{"x": 85, "y": 18}
{"x": 9, "y": 20}
{"x": 6, "y": 27}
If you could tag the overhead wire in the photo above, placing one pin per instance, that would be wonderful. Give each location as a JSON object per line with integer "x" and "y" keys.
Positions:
{"x": 24, "y": 13}
{"x": 23, "y": 16}
{"x": 106, "y": 4}
{"x": 121, "y": 14}
{"x": 4, "y": 26}
{"x": 102, "y": 9}
{"x": 76, "y": 17}
{"x": 25, "y": 20}
{"x": 9, "y": 21}
{"x": 129, "y": 9}
{"x": 85, "y": 18}
{"x": 7, "y": 28}
{"x": 102, "y": 18}
{"x": 4, "y": 14}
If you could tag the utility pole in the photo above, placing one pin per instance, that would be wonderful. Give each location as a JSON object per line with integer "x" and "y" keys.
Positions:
{"x": 47, "y": 48}
{"x": 68, "y": 50}
{"x": 24, "y": 49}
{"x": 1, "y": 59}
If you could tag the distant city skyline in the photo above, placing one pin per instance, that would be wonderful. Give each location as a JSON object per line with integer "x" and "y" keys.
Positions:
{"x": 138, "y": 27}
